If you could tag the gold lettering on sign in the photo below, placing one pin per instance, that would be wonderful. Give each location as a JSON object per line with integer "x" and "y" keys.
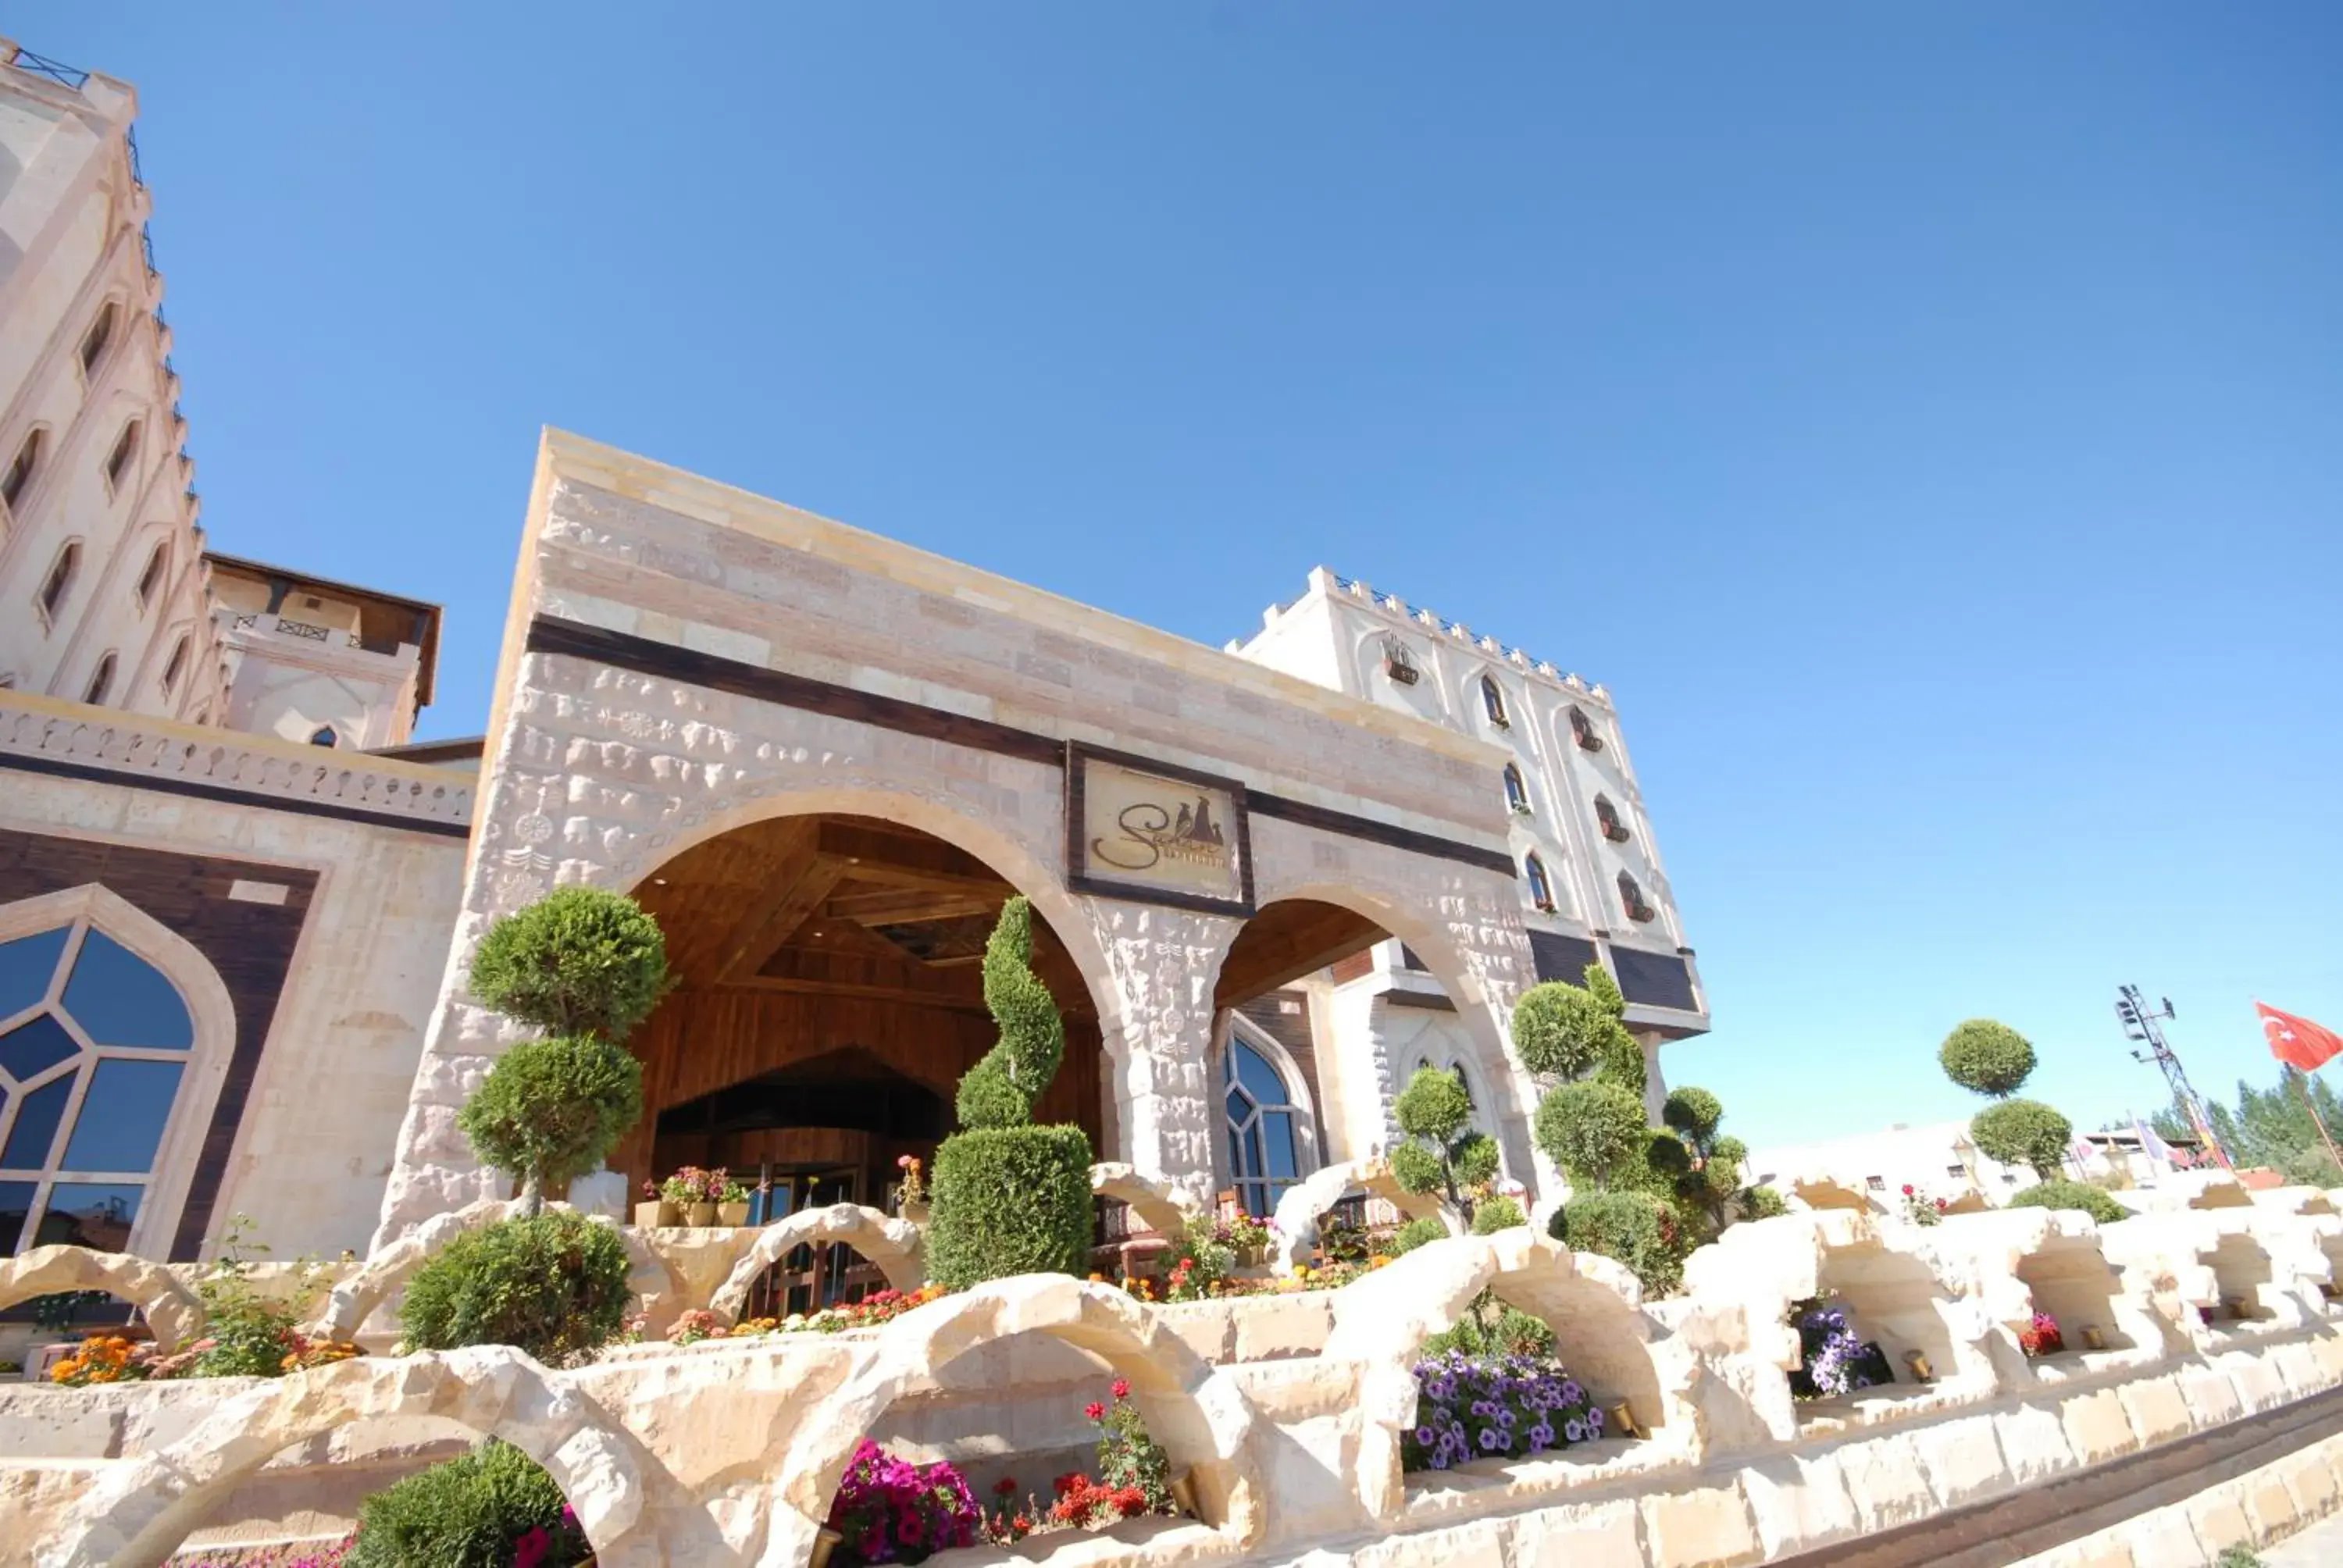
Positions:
{"x": 1160, "y": 831}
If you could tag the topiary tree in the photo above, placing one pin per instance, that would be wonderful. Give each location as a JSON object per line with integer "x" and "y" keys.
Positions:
{"x": 2064, "y": 1194}
{"x": 1592, "y": 1129}
{"x": 1498, "y": 1213}
{"x": 1989, "y": 1057}
{"x": 550, "y": 1110}
{"x": 1762, "y": 1203}
{"x": 579, "y": 961}
{"x": 1011, "y": 1197}
{"x": 2024, "y": 1133}
{"x": 1635, "y": 1228}
{"x": 1444, "y": 1153}
{"x": 1420, "y": 1231}
{"x": 469, "y": 1512}
{"x": 1562, "y": 1032}
{"x": 554, "y": 1285}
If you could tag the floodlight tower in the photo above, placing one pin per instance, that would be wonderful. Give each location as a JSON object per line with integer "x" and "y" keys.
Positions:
{"x": 2140, "y": 1026}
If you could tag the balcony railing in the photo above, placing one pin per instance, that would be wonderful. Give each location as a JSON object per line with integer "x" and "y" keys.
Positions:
{"x": 54, "y": 70}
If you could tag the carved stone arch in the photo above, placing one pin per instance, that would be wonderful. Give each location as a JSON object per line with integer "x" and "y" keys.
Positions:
{"x": 174, "y": 1312}
{"x": 1200, "y": 1414}
{"x": 1593, "y": 1303}
{"x": 211, "y": 1010}
{"x": 1158, "y": 1206}
{"x": 894, "y": 1246}
{"x": 1303, "y": 1205}
{"x": 137, "y": 1514}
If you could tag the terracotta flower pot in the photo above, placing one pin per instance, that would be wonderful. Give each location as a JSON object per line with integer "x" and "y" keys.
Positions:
{"x": 655, "y": 1213}
{"x": 735, "y": 1214}
{"x": 700, "y": 1214}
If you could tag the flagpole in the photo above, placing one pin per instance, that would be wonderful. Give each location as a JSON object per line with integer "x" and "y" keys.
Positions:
{"x": 2302, "y": 1081}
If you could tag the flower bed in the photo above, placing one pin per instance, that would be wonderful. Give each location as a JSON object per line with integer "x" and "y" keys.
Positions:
{"x": 1833, "y": 1360}
{"x": 1469, "y": 1408}
{"x": 106, "y": 1358}
{"x": 889, "y": 1510}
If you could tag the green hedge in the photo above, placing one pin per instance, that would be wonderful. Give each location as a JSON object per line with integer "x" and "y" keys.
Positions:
{"x": 554, "y": 1286}
{"x": 466, "y": 1513}
{"x": 2070, "y": 1196}
{"x": 1010, "y": 1201}
{"x": 1635, "y": 1228}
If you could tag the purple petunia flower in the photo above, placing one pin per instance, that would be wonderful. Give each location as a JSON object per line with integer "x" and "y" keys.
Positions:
{"x": 1575, "y": 1429}
{"x": 1423, "y": 1434}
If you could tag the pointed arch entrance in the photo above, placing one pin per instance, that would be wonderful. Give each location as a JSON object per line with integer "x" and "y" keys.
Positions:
{"x": 830, "y": 995}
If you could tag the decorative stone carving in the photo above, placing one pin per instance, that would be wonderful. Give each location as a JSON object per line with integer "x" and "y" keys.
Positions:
{"x": 895, "y": 1246}
{"x": 174, "y": 1313}
{"x": 1158, "y": 1206}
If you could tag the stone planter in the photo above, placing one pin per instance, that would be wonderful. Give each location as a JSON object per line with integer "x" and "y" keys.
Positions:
{"x": 733, "y": 1214}
{"x": 651, "y": 1215}
{"x": 700, "y": 1214}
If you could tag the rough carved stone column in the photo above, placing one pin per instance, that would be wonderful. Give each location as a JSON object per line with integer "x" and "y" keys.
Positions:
{"x": 1162, "y": 963}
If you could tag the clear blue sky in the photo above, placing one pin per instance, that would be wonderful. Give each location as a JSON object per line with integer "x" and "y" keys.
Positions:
{"x": 1927, "y": 420}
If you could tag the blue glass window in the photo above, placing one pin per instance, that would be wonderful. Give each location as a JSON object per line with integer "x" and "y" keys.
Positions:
{"x": 26, "y": 966}
{"x": 1265, "y": 1156}
{"x": 37, "y": 1116}
{"x": 116, "y": 1036}
{"x": 34, "y": 1046}
{"x": 122, "y": 1116}
{"x": 120, "y": 998}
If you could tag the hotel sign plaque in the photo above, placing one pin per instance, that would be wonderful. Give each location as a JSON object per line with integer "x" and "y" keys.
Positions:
{"x": 1146, "y": 831}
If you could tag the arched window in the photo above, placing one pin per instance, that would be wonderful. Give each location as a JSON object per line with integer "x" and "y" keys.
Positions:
{"x": 1541, "y": 890}
{"x": 325, "y": 736}
{"x": 1517, "y": 793}
{"x": 1582, "y": 730}
{"x": 171, "y": 668}
{"x": 1494, "y": 700}
{"x": 94, "y": 1041}
{"x": 59, "y": 582}
{"x": 1607, "y": 815}
{"x": 94, "y": 342}
{"x": 117, "y": 461}
{"x": 150, "y": 578}
{"x": 1264, "y": 1150}
{"x": 19, "y": 476}
{"x": 101, "y": 681}
{"x": 1631, "y": 898}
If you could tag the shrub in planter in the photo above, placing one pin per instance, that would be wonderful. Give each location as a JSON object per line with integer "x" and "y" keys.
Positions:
{"x": 2024, "y": 1133}
{"x": 554, "y": 1285}
{"x": 1496, "y": 1214}
{"x": 549, "y": 1109}
{"x": 1635, "y": 1228}
{"x": 2070, "y": 1196}
{"x": 1418, "y": 1232}
{"x": 490, "y": 1508}
{"x": 1011, "y": 1197}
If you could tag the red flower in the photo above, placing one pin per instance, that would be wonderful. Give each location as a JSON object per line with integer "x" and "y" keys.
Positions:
{"x": 1094, "y": 1410}
{"x": 1004, "y": 1487}
{"x": 1122, "y": 1389}
{"x": 1907, "y": 1188}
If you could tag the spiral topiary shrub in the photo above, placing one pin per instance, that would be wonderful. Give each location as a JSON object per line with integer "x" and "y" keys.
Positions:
{"x": 1011, "y": 1197}
{"x": 553, "y": 1285}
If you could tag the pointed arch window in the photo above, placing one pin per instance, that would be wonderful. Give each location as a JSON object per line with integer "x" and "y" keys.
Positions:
{"x": 1607, "y": 815}
{"x": 1632, "y": 900}
{"x": 93, "y": 1044}
{"x": 1492, "y": 700}
{"x": 150, "y": 576}
{"x": 99, "y": 337}
{"x": 324, "y": 736}
{"x": 174, "y": 665}
{"x": 1265, "y": 1145}
{"x": 19, "y": 476}
{"x": 1582, "y": 730}
{"x": 117, "y": 461}
{"x": 1541, "y": 886}
{"x": 1517, "y": 792}
{"x": 59, "y": 582}
{"x": 101, "y": 682}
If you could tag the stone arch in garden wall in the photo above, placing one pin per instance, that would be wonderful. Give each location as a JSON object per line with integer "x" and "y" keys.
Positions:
{"x": 1199, "y": 1414}
{"x": 1592, "y": 1304}
{"x": 137, "y": 1514}
{"x": 1155, "y": 1205}
{"x": 1306, "y": 1204}
{"x": 173, "y": 1312}
{"x": 895, "y": 1246}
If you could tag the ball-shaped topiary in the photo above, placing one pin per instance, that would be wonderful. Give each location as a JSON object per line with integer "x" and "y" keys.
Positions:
{"x": 1634, "y": 1228}
{"x": 1564, "y": 1031}
{"x": 1989, "y": 1057}
{"x": 1762, "y": 1203}
{"x": 549, "y": 1109}
{"x": 579, "y": 961}
{"x": 1498, "y": 1213}
{"x": 465, "y": 1513}
{"x": 1444, "y": 1153}
{"x": 554, "y": 1285}
{"x": 2023, "y": 1133}
{"x": 2062, "y": 1194}
{"x": 1591, "y": 1128}
{"x": 1693, "y": 1112}
{"x": 1418, "y": 1232}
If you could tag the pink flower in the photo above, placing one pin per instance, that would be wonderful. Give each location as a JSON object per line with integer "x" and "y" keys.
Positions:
{"x": 532, "y": 1549}
{"x": 1122, "y": 1389}
{"x": 1094, "y": 1410}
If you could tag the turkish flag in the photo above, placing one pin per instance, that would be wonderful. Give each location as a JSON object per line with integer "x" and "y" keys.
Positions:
{"x": 2297, "y": 1041}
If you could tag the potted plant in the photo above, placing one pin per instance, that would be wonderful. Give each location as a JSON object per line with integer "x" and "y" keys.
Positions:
{"x": 911, "y": 1197}
{"x": 655, "y": 1210}
{"x": 686, "y": 1190}
{"x": 732, "y": 1202}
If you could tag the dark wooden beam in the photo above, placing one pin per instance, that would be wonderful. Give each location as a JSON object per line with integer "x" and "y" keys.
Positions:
{"x": 1286, "y": 941}
{"x": 775, "y": 919}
